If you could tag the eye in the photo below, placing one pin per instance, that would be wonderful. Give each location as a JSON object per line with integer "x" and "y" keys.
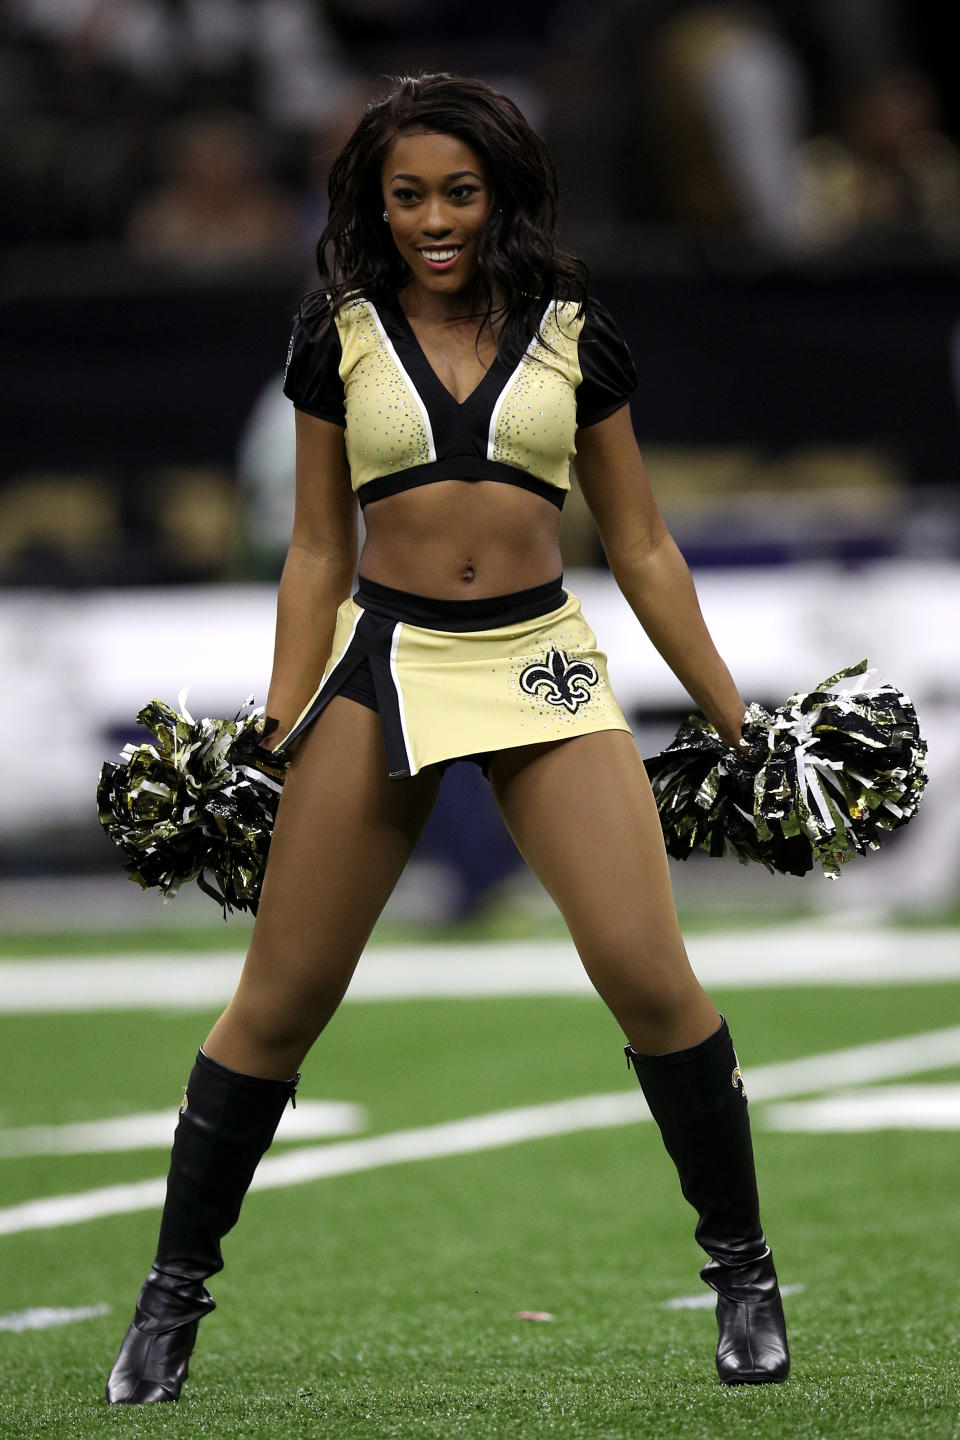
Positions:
{"x": 463, "y": 192}
{"x": 404, "y": 195}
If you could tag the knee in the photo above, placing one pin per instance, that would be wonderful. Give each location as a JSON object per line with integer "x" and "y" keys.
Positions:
{"x": 655, "y": 1005}
{"x": 666, "y": 1014}
{"x": 649, "y": 995}
{"x": 282, "y": 1018}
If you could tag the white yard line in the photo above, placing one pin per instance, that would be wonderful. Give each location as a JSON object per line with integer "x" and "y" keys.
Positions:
{"x": 707, "y": 1300}
{"x": 890, "y": 1107}
{"x": 311, "y": 1120}
{"x": 818, "y": 953}
{"x": 314, "y": 1162}
{"x": 861, "y": 1064}
{"x": 911, "y": 1055}
{"x": 44, "y": 1317}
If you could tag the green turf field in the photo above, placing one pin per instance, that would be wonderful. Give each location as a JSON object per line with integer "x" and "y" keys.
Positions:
{"x": 384, "y": 1302}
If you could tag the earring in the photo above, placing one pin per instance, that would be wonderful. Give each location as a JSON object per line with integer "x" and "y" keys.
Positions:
{"x": 386, "y": 217}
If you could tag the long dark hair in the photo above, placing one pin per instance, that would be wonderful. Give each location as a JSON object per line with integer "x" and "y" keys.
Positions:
{"x": 519, "y": 259}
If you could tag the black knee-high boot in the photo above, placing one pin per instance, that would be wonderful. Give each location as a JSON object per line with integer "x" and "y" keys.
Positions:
{"x": 697, "y": 1098}
{"x": 227, "y": 1121}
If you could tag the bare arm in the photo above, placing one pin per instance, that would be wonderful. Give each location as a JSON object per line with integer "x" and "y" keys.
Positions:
{"x": 649, "y": 569}
{"x": 318, "y": 571}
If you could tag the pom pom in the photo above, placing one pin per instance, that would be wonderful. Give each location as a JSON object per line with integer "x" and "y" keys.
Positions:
{"x": 828, "y": 775}
{"x": 196, "y": 803}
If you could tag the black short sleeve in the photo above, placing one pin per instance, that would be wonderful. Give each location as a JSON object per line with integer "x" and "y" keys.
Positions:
{"x": 312, "y": 377}
{"x": 609, "y": 374}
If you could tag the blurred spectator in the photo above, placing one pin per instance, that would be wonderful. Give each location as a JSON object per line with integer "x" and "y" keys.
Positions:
{"x": 694, "y": 112}
{"x": 887, "y": 169}
{"x": 699, "y": 113}
{"x": 218, "y": 208}
{"x": 279, "y": 56}
{"x": 83, "y": 83}
{"x": 730, "y": 105}
{"x": 678, "y": 111}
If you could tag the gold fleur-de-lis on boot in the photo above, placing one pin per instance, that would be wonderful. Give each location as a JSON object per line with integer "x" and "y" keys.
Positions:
{"x": 736, "y": 1079}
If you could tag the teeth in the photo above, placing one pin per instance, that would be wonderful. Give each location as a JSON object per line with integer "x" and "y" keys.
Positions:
{"x": 440, "y": 254}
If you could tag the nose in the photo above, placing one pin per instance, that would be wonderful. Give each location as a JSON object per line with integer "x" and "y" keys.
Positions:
{"x": 435, "y": 222}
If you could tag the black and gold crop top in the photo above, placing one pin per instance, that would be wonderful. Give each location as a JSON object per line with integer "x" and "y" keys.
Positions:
{"x": 367, "y": 371}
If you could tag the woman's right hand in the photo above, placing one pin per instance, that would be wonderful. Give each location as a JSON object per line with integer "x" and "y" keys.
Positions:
{"x": 270, "y": 732}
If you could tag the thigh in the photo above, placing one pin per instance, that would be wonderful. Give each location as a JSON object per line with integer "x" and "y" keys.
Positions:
{"x": 583, "y": 815}
{"x": 343, "y": 834}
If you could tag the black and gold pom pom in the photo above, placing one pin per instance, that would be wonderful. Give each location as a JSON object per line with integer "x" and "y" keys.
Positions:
{"x": 197, "y": 802}
{"x": 828, "y": 775}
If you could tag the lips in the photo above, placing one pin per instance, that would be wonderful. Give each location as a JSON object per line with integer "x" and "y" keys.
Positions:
{"x": 440, "y": 257}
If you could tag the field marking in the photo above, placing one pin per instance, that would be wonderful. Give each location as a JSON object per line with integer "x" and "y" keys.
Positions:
{"x": 893, "y": 1107}
{"x": 913, "y": 1054}
{"x": 44, "y": 1317}
{"x": 810, "y": 953}
{"x": 311, "y": 1120}
{"x": 708, "y": 1300}
{"x": 349, "y": 1157}
{"x": 859, "y": 1065}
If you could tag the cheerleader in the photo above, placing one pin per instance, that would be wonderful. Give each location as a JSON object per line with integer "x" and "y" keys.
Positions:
{"x": 444, "y": 379}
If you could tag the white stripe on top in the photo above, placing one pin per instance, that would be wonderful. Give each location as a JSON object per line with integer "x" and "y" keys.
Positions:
{"x": 395, "y": 674}
{"x": 501, "y": 398}
{"x": 388, "y": 344}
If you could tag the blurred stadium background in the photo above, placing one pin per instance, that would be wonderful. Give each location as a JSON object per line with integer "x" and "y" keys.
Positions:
{"x": 768, "y": 195}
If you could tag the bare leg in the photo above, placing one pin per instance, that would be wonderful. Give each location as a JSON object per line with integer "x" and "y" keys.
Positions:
{"x": 583, "y": 815}
{"x": 343, "y": 835}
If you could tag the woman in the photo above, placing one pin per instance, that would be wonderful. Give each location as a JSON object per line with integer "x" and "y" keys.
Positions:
{"x": 448, "y": 377}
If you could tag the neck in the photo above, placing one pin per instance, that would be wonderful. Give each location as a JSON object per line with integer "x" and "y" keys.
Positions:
{"x": 434, "y": 307}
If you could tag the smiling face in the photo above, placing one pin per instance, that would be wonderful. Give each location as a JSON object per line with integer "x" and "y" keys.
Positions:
{"x": 437, "y": 196}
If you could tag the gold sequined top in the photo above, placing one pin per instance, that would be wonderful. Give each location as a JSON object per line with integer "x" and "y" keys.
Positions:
{"x": 367, "y": 371}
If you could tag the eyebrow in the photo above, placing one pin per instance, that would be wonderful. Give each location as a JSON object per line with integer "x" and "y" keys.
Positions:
{"x": 456, "y": 175}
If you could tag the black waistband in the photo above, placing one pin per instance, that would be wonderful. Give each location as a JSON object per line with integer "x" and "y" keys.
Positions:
{"x": 487, "y": 614}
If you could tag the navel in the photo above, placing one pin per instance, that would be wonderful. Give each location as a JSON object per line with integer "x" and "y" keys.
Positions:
{"x": 468, "y": 574}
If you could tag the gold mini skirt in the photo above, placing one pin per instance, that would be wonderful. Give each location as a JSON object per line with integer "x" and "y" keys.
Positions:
{"x": 462, "y": 679}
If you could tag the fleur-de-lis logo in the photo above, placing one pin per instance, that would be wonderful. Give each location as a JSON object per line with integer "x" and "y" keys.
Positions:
{"x": 736, "y": 1079}
{"x": 562, "y": 681}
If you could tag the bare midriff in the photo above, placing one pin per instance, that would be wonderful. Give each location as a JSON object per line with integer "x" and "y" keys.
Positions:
{"x": 462, "y": 540}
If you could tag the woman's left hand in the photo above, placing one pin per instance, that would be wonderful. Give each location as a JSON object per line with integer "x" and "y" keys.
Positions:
{"x": 731, "y": 737}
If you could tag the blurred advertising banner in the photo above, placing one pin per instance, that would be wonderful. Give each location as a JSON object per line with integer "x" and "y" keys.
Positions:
{"x": 76, "y": 668}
